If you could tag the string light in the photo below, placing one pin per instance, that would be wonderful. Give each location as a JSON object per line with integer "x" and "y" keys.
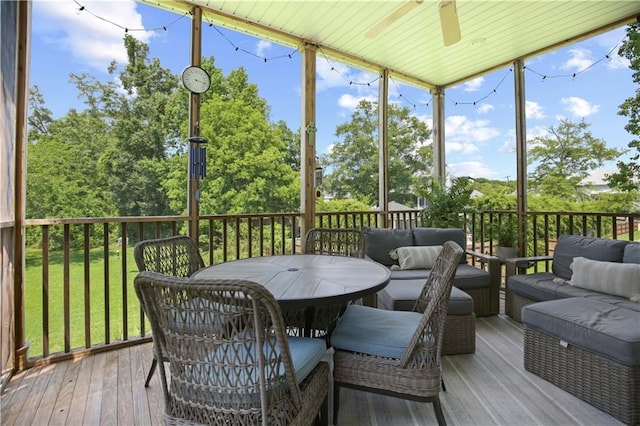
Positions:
{"x": 544, "y": 77}
{"x": 82, "y": 8}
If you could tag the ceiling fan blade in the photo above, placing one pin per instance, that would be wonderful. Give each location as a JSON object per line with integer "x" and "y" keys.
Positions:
{"x": 393, "y": 17}
{"x": 449, "y": 22}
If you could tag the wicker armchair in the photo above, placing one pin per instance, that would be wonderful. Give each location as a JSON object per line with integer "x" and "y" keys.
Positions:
{"x": 230, "y": 360}
{"x": 331, "y": 242}
{"x": 397, "y": 353}
{"x": 178, "y": 256}
{"x": 334, "y": 242}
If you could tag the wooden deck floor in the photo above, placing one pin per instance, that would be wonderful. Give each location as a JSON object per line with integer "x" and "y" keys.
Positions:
{"x": 489, "y": 387}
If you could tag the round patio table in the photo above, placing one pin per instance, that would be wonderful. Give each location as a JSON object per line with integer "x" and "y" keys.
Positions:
{"x": 306, "y": 282}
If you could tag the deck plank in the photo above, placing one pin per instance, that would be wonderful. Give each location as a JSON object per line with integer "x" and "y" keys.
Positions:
{"x": 490, "y": 387}
{"x": 93, "y": 404}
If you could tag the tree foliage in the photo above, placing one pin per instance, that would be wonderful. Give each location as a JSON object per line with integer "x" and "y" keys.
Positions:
{"x": 126, "y": 153}
{"x": 353, "y": 161}
{"x": 628, "y": 174}
{"x": 566, "y": 156}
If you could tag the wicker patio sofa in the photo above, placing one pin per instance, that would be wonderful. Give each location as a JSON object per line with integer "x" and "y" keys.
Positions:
{"x": 476, "y": 290}
{"x": 483, "y": 285}
{"x": 582, "y": 321}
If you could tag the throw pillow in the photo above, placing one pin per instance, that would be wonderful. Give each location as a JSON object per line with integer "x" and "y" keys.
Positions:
{"x": 620, "y": 279}
{"x": 416, "y": 257}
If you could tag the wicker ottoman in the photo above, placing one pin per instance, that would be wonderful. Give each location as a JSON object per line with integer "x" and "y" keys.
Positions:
{"x": 589, "y": 348}
{"x": 460, "y": 328}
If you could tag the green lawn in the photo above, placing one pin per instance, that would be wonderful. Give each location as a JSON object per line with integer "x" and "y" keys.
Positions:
{"x": 97, "y": 303}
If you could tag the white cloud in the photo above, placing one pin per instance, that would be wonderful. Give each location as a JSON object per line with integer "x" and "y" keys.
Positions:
{"x": 616, "y": 62}
{"x": 90, "y": 40}
{"x": 533, "y": 110}
{"x": 485, "y": 108}
{"x": 473, "y": 169}
{"x": 473, "y": 85}
{"x": 262, "y": 47}
{"x": 534, "y": 132}
{"x": 579, "y": 60}
{"x": 460, "y": 127}
{"x": 351, "y": 102}
{"x": 579, "y": 107}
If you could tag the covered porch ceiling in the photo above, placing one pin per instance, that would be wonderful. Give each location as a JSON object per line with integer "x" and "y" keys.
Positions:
{"x": 406, "y": 37}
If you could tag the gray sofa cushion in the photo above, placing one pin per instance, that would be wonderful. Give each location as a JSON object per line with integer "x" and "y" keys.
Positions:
{"x": 570, "y": 246}
{"x": 380, "y": 241}
{"x": 631, "y": 253}
{"x": 590, "y": 324}
{"x": 541, "y": 286}
{"x": 439, "y": 236}
{"x": 468, "y": 277}
{"x": 401, "y": 295}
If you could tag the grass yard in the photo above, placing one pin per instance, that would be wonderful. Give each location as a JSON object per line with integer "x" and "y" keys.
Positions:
{"x": 105, "y": 304}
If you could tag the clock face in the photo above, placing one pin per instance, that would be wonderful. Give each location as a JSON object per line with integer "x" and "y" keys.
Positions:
{"x": 196, "y": 79}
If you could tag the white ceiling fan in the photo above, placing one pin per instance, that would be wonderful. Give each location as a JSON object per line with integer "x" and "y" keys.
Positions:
{"x": 448, "y": 20}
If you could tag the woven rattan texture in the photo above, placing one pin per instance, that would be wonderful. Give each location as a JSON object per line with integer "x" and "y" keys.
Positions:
{"x": 228, "y": 354}
{"x": 481, "y": 300}
{"x": 335, "y": 242}
{"x": 459, "y": 335}
{"x": 178, "y": 256}
{"x": 607, "y": 385}
{"x": 417, "y": 374}
{"x": 332, "y": 242}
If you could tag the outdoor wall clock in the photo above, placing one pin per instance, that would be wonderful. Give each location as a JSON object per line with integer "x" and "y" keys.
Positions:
{"x": 196, "y": 79}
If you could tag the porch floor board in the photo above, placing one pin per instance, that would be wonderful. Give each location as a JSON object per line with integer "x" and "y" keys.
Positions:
{"x": 489, "y": 387}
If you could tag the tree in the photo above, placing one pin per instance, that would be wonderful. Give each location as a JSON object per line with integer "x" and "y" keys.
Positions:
{"x": 353, "y": 161}
{"x": 565, "y": 157}
{"x": 628, "y": 174}
{"x": 251, "y": 163}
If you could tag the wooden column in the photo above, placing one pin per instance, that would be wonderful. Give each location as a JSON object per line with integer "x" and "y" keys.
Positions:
{"x": 194, "y": 126}
{"x": 439, "y": 167}
{"x": 383, "y": 148}
{"x": 308, "y": 139}
{"x": 521, "y": 153}
{"x": 20, "y": 190}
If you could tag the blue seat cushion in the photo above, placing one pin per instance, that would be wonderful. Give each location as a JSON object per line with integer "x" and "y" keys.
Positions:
{"x": 376, "y": 332}
{"x": 401, "y": 295}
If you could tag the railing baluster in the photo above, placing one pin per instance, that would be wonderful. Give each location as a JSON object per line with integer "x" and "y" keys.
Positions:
{"x": 87, "y": 286}
{"x": 107, "y": 304}
{"x": 45, "y": 290}
{"x": 66, "y": 245}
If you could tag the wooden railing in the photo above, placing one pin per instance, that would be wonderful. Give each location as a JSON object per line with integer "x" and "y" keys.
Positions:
{"x": 79, "y": 295}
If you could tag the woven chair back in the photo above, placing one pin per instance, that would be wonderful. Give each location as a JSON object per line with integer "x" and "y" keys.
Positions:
{"x": 226, "y": 347}
{"x": 335, "y": 242}
{"x": 178, "y": 256}
{"x": 426, "y": 344}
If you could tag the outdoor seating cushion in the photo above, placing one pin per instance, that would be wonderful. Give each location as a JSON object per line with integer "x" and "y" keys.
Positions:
{"x": 439, "y": 236}
{"x": 306, "y": 353}
{"x": 401, "y": 295}
{"x": 590, "y": 324}
{"x": 570, "y": 246}
{"x": 374, "y": 331}
{"x": 631, "y": 253}
{"x": 467, "y": 276}
{"x": 380, "y": 241}
{"x": 544, "y": 286}
{"x": 620, "y": 279}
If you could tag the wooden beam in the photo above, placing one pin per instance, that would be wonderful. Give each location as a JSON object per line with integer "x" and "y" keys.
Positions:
{"x": 194, "y": 126}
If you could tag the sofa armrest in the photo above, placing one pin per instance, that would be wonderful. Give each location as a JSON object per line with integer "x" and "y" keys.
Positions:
{"x": 515, "y": 263}
{"x": 493, "y": 267}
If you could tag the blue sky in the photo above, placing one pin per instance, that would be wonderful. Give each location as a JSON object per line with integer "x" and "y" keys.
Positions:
{"x": 480, "y": 138}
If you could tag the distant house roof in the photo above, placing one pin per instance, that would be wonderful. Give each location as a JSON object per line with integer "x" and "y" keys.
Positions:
{"x": 395, "y": 206}
{"x": 597, "y": 178}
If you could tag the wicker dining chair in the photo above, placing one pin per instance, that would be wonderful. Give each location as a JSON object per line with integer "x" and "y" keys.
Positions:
{"x": 334, "y": 242}
{"x": 397, "y": 353}
{"x": 178, "y": 256}
{"x": 230, "y": 360}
